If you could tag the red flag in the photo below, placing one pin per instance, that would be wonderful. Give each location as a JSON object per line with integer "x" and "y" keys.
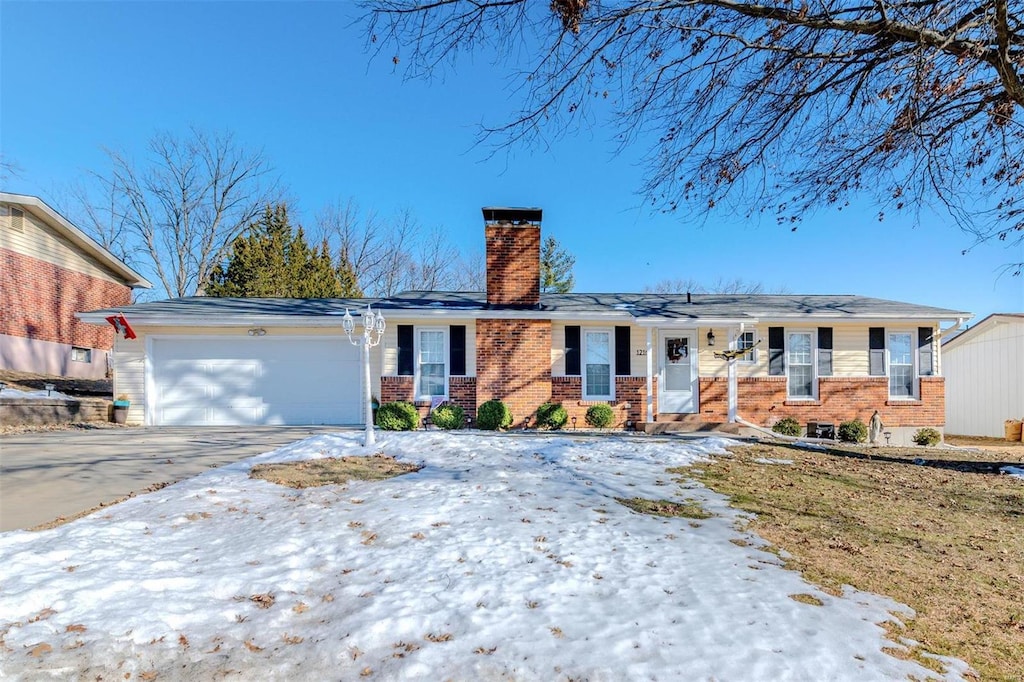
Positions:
{"x": 121, "y": 325}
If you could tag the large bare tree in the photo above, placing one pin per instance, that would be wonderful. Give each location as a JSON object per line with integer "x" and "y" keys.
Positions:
{"x": 769, "y": 107}
{"x": 391, "y": 255}
{"x": 186, "y": 202}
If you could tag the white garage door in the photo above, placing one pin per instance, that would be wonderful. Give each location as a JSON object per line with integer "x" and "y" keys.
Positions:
{"x": 228, "y": 382}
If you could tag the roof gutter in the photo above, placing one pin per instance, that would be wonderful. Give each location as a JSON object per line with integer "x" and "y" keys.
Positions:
{"x": 946, "y": 332}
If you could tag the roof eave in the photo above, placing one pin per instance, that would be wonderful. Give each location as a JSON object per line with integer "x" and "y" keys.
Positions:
{"x": 84, "y": 241}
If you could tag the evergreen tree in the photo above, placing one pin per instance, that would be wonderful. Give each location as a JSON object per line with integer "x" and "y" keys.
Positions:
{"x": 556, "y": 266}
{"x": 273, "y": 259}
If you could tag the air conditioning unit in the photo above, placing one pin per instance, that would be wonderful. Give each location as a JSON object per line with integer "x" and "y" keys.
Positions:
{"x": 821, "y": 430}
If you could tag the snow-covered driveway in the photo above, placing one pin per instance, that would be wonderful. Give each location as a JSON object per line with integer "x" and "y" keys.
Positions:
{"x": 505, "y": 557}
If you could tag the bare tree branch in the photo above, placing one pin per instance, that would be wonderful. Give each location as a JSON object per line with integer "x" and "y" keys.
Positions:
{"x": 187, "y": 201}
{"x": 773, "y": 107}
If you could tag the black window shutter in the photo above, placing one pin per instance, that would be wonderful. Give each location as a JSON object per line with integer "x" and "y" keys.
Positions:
{"x": 622, "y": 351}
{"x": 776, "y": 351}
{"x": 824, "y": 351}
{"x": 457, "y": 350}
{"x": 876, "y": 349}
{"x": 572, "y": 351}
{"x": 406, "y": 352}
{"x": 925, "y": 362}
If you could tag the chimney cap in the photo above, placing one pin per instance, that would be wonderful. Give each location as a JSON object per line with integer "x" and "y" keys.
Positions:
{"x": 520, "y": 216}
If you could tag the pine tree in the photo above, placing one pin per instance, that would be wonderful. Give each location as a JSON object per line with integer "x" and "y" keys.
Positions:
{"x": 556, "y": 266}
{"x": 273, "y": 259}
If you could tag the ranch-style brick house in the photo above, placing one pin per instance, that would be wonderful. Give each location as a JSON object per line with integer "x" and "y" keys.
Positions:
{"x": 656, "y": 359}
{"x": 49, "y": 271}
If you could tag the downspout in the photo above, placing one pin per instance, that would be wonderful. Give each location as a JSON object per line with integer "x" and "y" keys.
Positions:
{"x": 946, "y": 332}
{"x": 938, "y": 344}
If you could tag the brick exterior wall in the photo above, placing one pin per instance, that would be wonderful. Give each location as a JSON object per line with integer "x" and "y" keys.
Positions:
{"x": 513, "y": 265}
{"x": 513, "y": 361}
{"x": 38, "y": 300}
{"x": 762, "y": 400}
{"x": 461, "y": 392}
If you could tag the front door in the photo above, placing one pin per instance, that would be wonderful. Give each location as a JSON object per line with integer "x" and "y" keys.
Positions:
{"x": 677, "y": 380}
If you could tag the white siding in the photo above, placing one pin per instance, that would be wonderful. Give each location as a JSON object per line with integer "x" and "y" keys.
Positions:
{"x": 129, "y": 363}
{"x": 985, "y": 381}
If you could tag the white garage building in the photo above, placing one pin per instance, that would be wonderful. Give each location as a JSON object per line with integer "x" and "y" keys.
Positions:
{"x": 984, "y": 368}
{"x": 239, "y": 362}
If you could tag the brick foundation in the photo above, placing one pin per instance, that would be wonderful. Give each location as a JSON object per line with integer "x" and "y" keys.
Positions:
{"x": 513, "y": 359}
{"x": 630, "y": 401}
{"x": 38, "y": 300}
{"x": 461, "y": 392}
{"x": 762, "y": 400}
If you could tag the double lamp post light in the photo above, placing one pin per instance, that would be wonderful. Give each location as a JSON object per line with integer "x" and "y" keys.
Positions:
{"x": 373, "y": 332}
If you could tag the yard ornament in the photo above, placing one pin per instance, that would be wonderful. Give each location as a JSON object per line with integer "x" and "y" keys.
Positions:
{"x": 875, "y": 428}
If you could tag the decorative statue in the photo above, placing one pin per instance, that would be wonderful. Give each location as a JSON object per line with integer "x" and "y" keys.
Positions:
{"x": 875, "y": 428}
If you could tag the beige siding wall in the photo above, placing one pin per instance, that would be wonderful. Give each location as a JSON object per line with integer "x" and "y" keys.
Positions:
{"x": 637, "y": 346}
{"x": 849, "y": 349}
{"x": 389, "y": 353}
{"x": 39, "y": 240}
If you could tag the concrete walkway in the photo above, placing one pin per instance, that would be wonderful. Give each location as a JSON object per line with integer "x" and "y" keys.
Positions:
{"x": 50, "y": 474}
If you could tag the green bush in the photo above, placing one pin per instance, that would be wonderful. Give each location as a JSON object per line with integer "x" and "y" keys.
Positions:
{"x": 600, "y": 415}
{"x": 787, "y": 426}
{"x": 853, "y": 431}
{"x": 551, "y": 416}
{"x": 398, "y": 416}
{"x": 448, "y": 417}
{"x": 493, "y": 415}
{"x": 927, "y": 436}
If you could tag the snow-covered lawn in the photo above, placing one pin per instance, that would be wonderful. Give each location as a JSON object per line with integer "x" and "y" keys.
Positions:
{"x": 505, "y": 557}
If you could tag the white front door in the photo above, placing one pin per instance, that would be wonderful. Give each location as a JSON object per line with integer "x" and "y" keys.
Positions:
{"x": 677, "y": 377}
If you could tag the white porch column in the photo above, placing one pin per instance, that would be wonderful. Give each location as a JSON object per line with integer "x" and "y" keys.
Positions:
{"x": 733, "y": 400}
{"x": 650, "y": 376}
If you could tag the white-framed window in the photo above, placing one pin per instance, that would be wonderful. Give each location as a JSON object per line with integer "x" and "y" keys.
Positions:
{"x": 597, "y": 365}
{"x": 431, "y": 362}
{"x": 900, "y": 366}
{"x": 81, "y": 354}
{"x": 800, "y": 365}
{"x": 746, "y": 341}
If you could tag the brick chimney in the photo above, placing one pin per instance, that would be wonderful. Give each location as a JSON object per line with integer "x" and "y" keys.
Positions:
{"x": 513, "y": 256}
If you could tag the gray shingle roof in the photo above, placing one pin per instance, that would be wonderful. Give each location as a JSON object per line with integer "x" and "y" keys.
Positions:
{"x": 474, "y": 304}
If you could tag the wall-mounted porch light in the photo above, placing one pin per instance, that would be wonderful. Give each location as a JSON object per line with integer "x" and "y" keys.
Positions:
{"x": 711, "y": 337}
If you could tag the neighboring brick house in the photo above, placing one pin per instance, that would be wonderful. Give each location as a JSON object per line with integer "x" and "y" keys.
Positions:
{"x": 655, "y": 358}
{"x": 49, "y": 271}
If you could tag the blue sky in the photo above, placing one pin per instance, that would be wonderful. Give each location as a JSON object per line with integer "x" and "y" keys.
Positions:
{"x": 297, "y": 80}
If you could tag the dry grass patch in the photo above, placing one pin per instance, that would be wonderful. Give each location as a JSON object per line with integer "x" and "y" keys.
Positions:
{"x": 688, "y": 509}
{"x": 944, "y": 537}
{"x": 332, "y": 471}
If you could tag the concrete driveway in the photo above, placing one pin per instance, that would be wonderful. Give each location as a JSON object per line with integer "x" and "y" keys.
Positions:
{"x": 51, "y": 474}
